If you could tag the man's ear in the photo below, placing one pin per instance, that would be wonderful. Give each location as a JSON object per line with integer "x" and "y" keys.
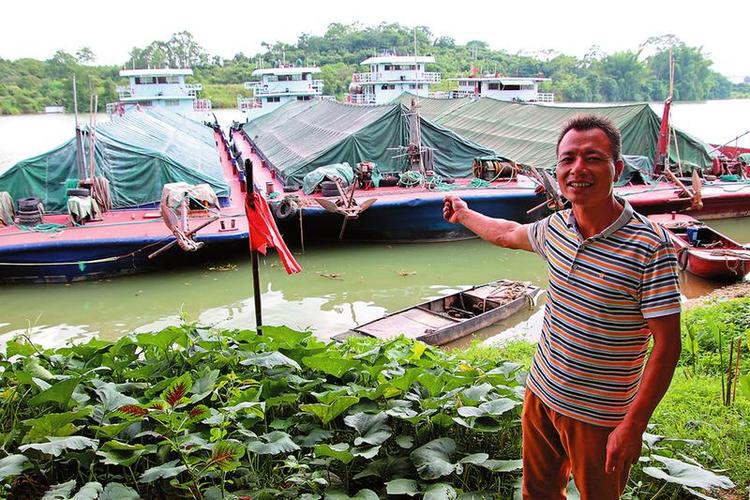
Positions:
{"x": 619, "y": 166}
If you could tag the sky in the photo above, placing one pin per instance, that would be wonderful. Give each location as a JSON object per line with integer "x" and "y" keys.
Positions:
{"x": 112, "y": 29}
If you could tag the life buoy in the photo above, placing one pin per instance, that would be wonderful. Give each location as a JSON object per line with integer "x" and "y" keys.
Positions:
{"x": 285, "y": 209}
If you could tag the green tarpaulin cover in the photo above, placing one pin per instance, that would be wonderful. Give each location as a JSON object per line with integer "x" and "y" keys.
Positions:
{"x": 527, "y": 133}
{"x": 138, "y": 153}
{"x": 301, "y": 136}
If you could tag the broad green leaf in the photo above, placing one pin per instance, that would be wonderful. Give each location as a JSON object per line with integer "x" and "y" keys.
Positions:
{"x": 273, "y": 443}
{"x": 372, "y": 429}
{"x": 433, "y": 460}
{"x": 54, "y": 424}
{"x": 225, "y": 455}
{"x": 475, "y": 458}
{"x": 111, "y": 398}
{"x": 33, "y": 367}
{"x": 405, "y": 441}
{"x": 365, "y": 494}
{"x": 164, "y": 471}
{"x": 315, "y": 436}
{"x": 12, "y": 465}
{"x": 686, "y": 474}
{"x": 338, "y": 451}
{"x": 331, "y": 364}
{"x": 58, "y": 393}
{"x": 164, "y": 340}
{"x": 402, "y": 487}
{"x": 118, "y": 453}
{"x": 117, "y": 491}
{"x": 14, "y": 347}
{"x": 89, "y": 491}
{"x": 57, "y": 445}
{"x": 494, "y": 407}
{"x": 203, "y": 386}
{"x": 110, "y": 431}
{"x": 440, "y": 491}
{"x": 269, "y": 360}
{"x": 282, "y": 337}
{"x": 502, "y": 465}
{"x": 366, "y": 452}
{"x": 328, "y": 397}
{"x": 476, "y": 393}
{"x": 326, "y": 413}
{"x": 60, "y": 491}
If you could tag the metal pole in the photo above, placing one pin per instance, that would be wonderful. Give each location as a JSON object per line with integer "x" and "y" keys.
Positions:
{"x": 253, "y": 254}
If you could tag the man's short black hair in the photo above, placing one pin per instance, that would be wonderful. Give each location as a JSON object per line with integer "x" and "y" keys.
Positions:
{"x": 590, "y": 122}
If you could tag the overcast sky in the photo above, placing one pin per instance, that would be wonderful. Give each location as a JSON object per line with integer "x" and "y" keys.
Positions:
{"x": 111, "y": 29}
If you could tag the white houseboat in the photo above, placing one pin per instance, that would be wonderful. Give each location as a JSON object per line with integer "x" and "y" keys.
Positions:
{"x": 504, "y": 88}
{"x": 389, "y": 77}
{"x": 164, "y": 87}
{"x": 278, "y": 86}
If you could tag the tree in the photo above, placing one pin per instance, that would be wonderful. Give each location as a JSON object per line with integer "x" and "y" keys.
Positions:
{"x": 85, "y": 55}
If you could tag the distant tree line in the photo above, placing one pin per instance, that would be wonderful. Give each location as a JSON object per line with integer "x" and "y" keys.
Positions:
{"x": 27, "y": 85}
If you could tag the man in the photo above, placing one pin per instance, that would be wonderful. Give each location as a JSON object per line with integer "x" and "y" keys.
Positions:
{"x": 612, "y": 285}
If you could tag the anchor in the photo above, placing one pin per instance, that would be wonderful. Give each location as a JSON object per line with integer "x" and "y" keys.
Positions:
{"x": 345, "y": 205}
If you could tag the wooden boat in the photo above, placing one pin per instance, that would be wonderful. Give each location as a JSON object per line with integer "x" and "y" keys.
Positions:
{"x": 704, "y": 251}
{"x": 452, "y": 317}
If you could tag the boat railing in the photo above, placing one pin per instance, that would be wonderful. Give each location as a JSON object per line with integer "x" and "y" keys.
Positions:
{"x": 202, "y": 105}
{"x": 246, "y": 103}
{"x": 360, "y": 98}
{"x": 396, "y": 76}
{"x": 124, "y": 91}
{"x": 545, "y": 97}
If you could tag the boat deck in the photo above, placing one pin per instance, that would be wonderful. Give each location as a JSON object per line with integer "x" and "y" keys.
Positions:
{"x": 120, "y": 234}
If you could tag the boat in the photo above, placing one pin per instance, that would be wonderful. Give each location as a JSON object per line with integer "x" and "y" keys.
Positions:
{"x": 277, "y": 86}
{"x": 454, "y": 316}
{"x": 387, "y": 191}
{"x": 149, "y": 190}
{"x": 163, "y": 88}
{"x": 391, "y": 75}
{"x": 504, "y": 88}
{"x": 703, "y": 251}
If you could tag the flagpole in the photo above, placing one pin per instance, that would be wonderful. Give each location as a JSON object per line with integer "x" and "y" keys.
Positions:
{"x": 249, "y": 192}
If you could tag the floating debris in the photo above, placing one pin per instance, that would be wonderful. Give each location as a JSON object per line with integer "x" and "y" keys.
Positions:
{"x": 406, "y": 273}
{"x": 331, "y": 276}
{"x": 223, "y": 268}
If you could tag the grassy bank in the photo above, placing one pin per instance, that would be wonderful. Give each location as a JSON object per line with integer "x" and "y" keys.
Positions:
{"x": 224, "y": 95}
{"x": 193, "y": 413}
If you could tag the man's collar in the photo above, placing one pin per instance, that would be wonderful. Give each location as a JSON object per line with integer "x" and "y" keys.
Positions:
{"x": 625, "y": 216}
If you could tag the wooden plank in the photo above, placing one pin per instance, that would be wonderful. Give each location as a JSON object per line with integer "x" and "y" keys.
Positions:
{"x": 412, "y": 323}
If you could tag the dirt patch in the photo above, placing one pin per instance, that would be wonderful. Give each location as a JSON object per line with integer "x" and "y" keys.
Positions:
{"x": 734, "y": 291}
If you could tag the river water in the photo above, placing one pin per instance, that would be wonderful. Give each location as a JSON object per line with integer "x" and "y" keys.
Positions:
{"x": 341, "y": 285}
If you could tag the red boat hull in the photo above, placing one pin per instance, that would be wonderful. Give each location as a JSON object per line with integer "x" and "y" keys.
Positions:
{"x": 703, "y": 251}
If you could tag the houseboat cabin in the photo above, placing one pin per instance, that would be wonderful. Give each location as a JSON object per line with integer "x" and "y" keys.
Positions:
{"x": 276, "y": 87}
{"x": 162, "y": 88}
{"x": 389, "y": 77}
{"x": 504, "y": 88}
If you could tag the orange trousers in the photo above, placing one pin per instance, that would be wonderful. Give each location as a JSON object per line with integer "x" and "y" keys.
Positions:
{"x": 554, "y": 446}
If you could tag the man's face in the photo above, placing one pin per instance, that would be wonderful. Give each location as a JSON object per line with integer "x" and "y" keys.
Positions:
{"x": 585, "y": 167}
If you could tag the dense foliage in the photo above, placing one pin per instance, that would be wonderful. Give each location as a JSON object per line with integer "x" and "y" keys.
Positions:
{"x": 27, "y": 85}
{"x": 193, "y": 413}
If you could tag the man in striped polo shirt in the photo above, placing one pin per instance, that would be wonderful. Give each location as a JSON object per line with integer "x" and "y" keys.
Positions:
{"x": 612, "y": 285}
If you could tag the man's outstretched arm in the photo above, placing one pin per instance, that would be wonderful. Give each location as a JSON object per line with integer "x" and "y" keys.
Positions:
{"x": 500, "y": 232}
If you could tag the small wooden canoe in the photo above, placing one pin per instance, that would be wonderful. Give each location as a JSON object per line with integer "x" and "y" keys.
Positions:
{"x": 703, "y": 251}
{"x": 452, "y": 317}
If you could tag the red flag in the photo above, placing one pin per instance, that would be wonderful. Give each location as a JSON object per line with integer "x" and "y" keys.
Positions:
{"x": 264, "y": 233}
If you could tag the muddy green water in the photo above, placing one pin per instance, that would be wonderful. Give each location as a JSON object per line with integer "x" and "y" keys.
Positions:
{"x": 341, "y": 285}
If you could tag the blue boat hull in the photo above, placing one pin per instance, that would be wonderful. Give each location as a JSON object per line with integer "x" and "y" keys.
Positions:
{"x": 56, "y": 262}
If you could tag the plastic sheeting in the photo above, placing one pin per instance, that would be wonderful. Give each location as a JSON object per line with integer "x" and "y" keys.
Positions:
{"x": 301, "y": 136}
{"x": 341, "y": 170}
{"x": 137, "y": 153}
{"x": 638, "y": 170}
{"x": 527, "y": 133}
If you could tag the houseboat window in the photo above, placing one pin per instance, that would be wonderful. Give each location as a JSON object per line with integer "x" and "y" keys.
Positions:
{"x": 274, "y": 99}
{"x": 161, "y": 79}
{"x": 412, "y": 86}
{"x": 493, "y": 86}
{"x": 511, "y": 87}
{"x": 285, "y": 78}
{"x": 173, "y": 79}
{"x": 391, "y": 87}
{"x": 384, "y": 87}
{"x": 172, "y": 103}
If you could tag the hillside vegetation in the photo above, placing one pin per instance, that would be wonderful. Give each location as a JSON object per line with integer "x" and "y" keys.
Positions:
{"x": 640, "y": 74}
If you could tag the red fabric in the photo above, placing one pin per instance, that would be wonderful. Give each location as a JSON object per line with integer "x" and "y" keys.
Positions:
{"x": 264, "y": 233}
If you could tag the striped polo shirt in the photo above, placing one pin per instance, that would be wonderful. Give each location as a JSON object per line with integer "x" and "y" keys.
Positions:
{"x": 591, "y": 353}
